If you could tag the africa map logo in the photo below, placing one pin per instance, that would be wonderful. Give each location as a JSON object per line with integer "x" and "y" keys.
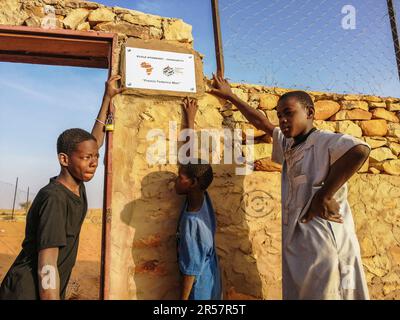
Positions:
{"x": 149, "y": 68}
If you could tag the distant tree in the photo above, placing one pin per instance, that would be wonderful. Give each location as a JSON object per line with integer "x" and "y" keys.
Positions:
{"x": 25, "y": 205}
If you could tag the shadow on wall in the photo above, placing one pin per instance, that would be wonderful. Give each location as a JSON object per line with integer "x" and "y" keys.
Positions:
{"x": 241, "y": 277}
{"x": 154, "y": 218}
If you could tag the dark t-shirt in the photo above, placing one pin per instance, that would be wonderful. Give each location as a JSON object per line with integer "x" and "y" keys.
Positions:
{"x": 54, "y": 220}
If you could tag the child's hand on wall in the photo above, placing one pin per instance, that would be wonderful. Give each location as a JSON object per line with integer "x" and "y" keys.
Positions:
{"x": 221, "y": 88}
{"x": 323, "y": 207}
{"x": 110, "y": 91}
{"x": 111, "y": 87}
{"x": 190, "y": 107}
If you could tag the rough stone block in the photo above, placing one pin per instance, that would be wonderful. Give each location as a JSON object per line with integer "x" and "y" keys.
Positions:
{"x": 381, "y": 154}
{"x": 350, "y": 105}
{"x": 176, "y": 29}
{"x": 101, "y": 15}
{"x": 374, "y": 127}
{"x": 348, "y": 127}
{"x": 355, "y": 114}
{"x": 75, "y": 18}
{"x": 380, "y": 113}
{"x": 268, "y": 101}
{"x": 324, "y": 109}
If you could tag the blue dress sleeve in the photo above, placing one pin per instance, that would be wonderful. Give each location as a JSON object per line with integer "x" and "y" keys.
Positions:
{"x": 194, "y": 245}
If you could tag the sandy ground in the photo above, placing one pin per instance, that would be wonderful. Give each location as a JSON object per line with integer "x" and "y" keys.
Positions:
{"x": 85, "y": 278}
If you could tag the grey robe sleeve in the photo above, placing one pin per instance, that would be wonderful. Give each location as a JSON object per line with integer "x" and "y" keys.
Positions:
{"x": 339, "y": 144}
{"x": 278, "y": 145}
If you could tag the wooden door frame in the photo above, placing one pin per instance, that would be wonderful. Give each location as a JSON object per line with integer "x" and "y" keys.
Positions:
{"x": 79, "y": 49}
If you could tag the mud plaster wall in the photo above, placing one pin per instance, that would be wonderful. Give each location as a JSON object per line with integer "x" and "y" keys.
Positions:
{"x": 145, "y": 208}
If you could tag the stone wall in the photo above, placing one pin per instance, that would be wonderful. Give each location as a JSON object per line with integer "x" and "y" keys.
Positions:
{"x": 145, "y": 208}
{"x": 370, "y": 118}
{"x": 249, "y": 232}
{"x": 90, "y": 16}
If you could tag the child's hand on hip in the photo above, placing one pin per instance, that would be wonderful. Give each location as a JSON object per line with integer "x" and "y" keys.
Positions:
{"x": 323, "y": 207}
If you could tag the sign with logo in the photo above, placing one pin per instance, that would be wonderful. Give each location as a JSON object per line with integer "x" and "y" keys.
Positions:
{"x": 160, "y": 70}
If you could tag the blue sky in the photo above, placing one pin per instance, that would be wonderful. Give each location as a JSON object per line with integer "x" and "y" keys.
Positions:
{"x": 302, "y": 44}
{"x": 292, "y": 43}
{"x": 37, "y": 104}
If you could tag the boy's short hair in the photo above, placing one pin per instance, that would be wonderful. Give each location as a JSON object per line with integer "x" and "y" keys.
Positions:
{"x": 199, "y": 169}
{"x": 69, "y": 139}
{"x": 303, "y": 97}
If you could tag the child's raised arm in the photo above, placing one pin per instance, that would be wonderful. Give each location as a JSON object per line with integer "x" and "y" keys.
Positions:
{"x": 99, "y": 126}
{"x": 190, "y": 107}
{"x": 223, "y": 90}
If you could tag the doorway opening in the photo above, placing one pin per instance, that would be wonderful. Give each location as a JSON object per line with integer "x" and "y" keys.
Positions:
{"x": 38, "y": 110}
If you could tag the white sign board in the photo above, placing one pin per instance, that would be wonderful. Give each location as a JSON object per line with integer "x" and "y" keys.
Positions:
{"x": 160, "y": 70}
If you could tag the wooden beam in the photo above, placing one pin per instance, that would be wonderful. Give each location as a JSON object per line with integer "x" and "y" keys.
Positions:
{"x": 219, "y": 54}
{"x": 55, "y": 47}
{"x": 395, "y": 36}
{"x": 58, "y": 33}
{"x": 101, "y": 63}
{"x": 105, "y": 267}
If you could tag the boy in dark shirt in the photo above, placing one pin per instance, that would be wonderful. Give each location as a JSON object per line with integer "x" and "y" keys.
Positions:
{"x": 49, "y": 250}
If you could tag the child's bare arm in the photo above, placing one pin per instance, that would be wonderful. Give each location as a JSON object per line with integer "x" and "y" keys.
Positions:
{"x": 223, "y": 90}
{"x": 49, "y": 279}
{"x": 190, "y": 108}
{"x": 323, "y": 204}
{"x": 110, "y": 91}
{"x": 187, "y": 285}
